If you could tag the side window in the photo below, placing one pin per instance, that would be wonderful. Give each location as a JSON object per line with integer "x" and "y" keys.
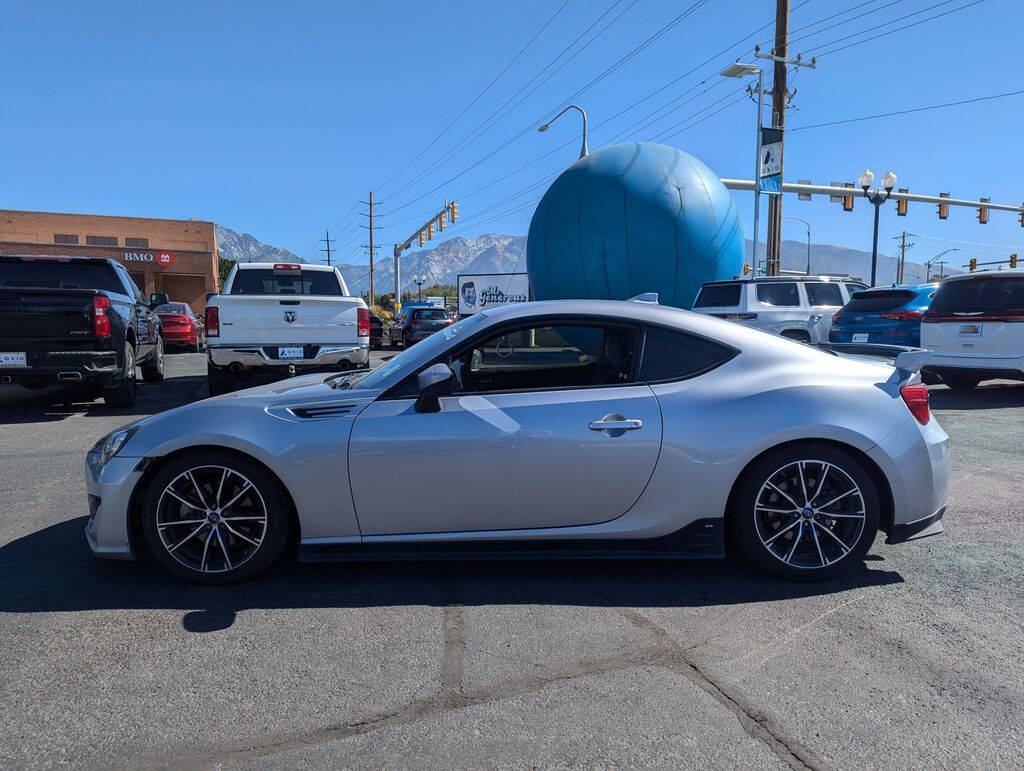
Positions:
{"x": 778, "y": 293}
{"x": 823, "y": 293}
{"x": 129, "y": 286}
{"x": 675, "y": 355}
{"x": 549, "y": 356}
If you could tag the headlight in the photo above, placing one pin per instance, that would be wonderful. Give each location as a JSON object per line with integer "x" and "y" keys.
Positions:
{"x": 107, "y": 447}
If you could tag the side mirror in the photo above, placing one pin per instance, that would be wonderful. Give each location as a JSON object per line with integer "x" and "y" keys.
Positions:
{"x": 158, "y": 298}
{"x": 434, "y": 382}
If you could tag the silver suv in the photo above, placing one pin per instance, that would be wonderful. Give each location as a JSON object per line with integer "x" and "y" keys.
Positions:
{"x": 798, "y": 307}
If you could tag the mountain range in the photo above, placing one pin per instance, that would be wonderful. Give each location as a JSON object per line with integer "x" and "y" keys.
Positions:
{"x": 502, "y": 253}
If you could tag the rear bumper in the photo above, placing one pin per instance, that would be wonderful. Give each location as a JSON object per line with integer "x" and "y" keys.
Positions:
{"x": 257, "y": 356}
{"x": 63, "y": 366}
{"x": 180, "y": 336}
{"x": 892, "y": 336}
{"x": 1011, "y": 367}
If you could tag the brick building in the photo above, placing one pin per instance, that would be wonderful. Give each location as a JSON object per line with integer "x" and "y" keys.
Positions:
{"x": 178, "y": 257}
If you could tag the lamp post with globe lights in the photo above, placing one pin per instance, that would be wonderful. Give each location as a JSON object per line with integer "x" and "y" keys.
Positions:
{"x": 877, "y": 198}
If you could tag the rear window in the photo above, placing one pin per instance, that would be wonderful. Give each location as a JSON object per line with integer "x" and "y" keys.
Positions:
{"x": 877, "y": 300}
{"x": 778, "y": 293}
{"x": 269, "y": 281}
{"x": 60, "y": 275}
{"x": 823, "y": 293}
{"x": 171, "y": 308}
{"x": 433, "y": 314}
{"x": 991, "y": 293}
{"x": 715, "y": 295}
{"x": 673, "y": 355}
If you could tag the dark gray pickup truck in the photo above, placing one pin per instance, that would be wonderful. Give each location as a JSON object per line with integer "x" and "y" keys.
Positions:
{"x": 76, "y": 320}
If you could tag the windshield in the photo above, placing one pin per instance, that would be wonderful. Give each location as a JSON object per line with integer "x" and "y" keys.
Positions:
{"x": 715, "y": 295}
{"x": 431, "y": 313}
{"x": 877, "y": 300}
{"x": 388, "y": 374}
{"x": 170, "y": 308}
{"x": 61, "y": 275}
{"x": 973, "y": 295}
{"x": 268, "y": 281}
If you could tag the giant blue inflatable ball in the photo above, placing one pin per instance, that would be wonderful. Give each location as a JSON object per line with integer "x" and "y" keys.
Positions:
{"x": 634, "y": 218}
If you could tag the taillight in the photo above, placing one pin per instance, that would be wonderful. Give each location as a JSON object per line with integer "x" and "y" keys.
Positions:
{"x": 286, "y": 266}
{"x": 903, "y": 316}
{"x": 363, "y": 322}
{"x": 212, "y": 321}
{"x": 916, "y": 398}
{"x": 100, "y": 320}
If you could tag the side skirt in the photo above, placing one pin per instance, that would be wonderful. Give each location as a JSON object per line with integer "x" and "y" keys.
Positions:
{"x": 702, "y": 539}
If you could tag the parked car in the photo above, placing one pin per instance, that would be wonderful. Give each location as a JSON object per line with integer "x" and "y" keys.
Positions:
{"x": 799, "y": 308}
{"x": 975, "y": 328}
{"x": 573, "y": 428}
{"x": 376, "y": 332}
{"x": 276, "y": 319}
{"x": 889, "y": 316}
{"x": 417, "y": 323}
{"x": 181, "y": 327}
{"x": 76, "y": 320}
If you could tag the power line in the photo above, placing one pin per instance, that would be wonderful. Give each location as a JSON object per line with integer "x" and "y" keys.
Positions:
{"x": 858, "y": 6}
{"x": 912, "y": 110}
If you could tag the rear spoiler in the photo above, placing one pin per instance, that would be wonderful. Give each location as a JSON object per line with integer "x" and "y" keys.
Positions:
{"x": 902, "y": 357}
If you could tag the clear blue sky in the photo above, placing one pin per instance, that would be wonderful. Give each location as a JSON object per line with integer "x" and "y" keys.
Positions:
{"x": 275, "y": 118}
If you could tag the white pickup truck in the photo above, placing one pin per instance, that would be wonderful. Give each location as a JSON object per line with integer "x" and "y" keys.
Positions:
{"x": 274, "y": 320}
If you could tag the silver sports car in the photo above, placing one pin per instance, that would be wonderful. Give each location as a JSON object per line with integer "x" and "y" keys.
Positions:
{"x": 548, "y": 429}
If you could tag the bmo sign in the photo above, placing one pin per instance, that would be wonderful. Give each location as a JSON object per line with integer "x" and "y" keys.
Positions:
{"x": 161, "y": 259}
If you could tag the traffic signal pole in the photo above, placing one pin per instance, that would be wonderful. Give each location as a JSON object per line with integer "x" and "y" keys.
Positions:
{"x": 450, "y": 213}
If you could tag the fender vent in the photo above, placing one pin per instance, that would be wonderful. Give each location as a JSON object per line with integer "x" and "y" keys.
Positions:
{"x": 325, "y": 411}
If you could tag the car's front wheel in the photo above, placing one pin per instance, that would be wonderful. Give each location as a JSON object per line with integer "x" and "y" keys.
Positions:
{"x": 213, "y": 517}
{"x": 806, "y": 512}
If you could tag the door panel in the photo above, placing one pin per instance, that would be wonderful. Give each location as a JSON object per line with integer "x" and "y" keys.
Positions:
{"x": 502, "y": 461}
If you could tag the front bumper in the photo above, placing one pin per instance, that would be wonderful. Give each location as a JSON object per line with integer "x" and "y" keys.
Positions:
{"x": 315, "y": 356}
{"x": 109, "y": 493}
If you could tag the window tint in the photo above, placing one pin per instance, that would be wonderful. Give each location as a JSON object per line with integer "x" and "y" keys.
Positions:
{"x": 549, "y": 356}
{"x": 432, "y": 314}
{"x": 64, "y": 238}
{"x": 714, "y": 295}
{"x": 101, "y": 240}
{"x": 60, "y": 275}
{"x": 778, "y": 293}
{"x": 823, "y": 293}
{"x": 171, "y": 308}
{"x": 269, "y": 281}
{"x": 674, "y": 355}
{"x": 995, "y": 293}
{"x": 877, "y": 300}
{"x": 851, "y": 287}
{"x": 138, "y": 243}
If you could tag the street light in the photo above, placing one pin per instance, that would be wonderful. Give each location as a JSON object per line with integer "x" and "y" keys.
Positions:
{"x": 740, "y": 70}
{"x": 546, "y": 126}
{"x": 928, "y": 264}
{"x": 877, "y": 198}
{"x": 419, "y": 281}
{"x": 808, "y": 226}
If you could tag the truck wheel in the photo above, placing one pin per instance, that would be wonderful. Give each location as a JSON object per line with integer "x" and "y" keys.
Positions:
{"x": 153, "y": 370}
{"x": 220, "y": 380}
{"x": 121, "y": 392}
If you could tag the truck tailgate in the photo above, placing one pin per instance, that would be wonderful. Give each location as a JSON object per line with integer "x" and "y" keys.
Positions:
{"x": 287, "y": 319}
{"x": 41, "y": 317}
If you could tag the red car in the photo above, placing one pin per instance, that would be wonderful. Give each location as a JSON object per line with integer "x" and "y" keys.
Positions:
{"x": 181, "y": 327}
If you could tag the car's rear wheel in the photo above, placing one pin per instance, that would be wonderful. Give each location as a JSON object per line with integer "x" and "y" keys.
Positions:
{"x": 961, "y": 382}
{"x": 806, "y": 512}
{"x": 213, "y": 517}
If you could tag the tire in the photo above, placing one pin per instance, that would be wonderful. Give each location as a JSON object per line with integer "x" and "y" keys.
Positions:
{"x": 212, "y": 547}
{"x": 153, "y": 370}
{"x": 961, "y": 382}
{"x": 219, "y": 380}
{"x": 765, "y": 534}
{"x": 796, "y": 334}
{"x": 122, "y": 391}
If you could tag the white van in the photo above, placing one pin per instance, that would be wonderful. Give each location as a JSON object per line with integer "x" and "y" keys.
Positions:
{"x": 975, "y": 326}
{"x": 797, "y": 307}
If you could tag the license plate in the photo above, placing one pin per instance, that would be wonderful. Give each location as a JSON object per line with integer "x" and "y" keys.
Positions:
{"x": 970, "y": 330}
{"x": 860, "y": 337}
{"x": 290, "y": 352}
{"x": 13, "y": 359}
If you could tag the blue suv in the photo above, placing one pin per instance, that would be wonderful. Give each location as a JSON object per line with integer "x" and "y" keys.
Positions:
{"x": 891, "y": 316}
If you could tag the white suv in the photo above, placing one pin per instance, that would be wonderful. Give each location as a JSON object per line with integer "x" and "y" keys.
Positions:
{"x": 975, "y": 326}
{"x": 800, "y": 307}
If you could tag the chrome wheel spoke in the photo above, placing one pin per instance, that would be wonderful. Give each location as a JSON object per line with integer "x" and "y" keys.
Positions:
{"x": 840, "y": 514}
{"x": 803, "y": 482}
{"x": 187, "y": 537}
{"x": 240, "y": 493}
{"x": 220, "y": 487}
{"x": 206, "y": 548}
{"x": 199, "y": 490}
{"x": 170, "y": 491}
{"x": 241, "y": 519}
{"x": 786, "y": 529}
{"x": 821, "y": 483}
{"x": 835, "y": 537}
{"x": 838, "y": 498}
{"x": 796, "y": 540}
{"x": 817, "y": 543}
{"x": 777, "y": 511}
{"x": 223, "y": 548}
{"x": 784, "y": 495}
{"x": 243, "y": 536}
{"x": 180, "y": 522}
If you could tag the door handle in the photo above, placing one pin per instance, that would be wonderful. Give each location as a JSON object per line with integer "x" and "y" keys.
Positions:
{"x": 616, "y": 425}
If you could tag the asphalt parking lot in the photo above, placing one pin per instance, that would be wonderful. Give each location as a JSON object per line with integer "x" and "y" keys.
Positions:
{"x": 914, "y": 660}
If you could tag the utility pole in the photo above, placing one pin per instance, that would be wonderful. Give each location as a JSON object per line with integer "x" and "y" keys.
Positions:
{"x": 901, "y": 265}
{"x": 327, "y": 240}
{"x": 371, "y": 248}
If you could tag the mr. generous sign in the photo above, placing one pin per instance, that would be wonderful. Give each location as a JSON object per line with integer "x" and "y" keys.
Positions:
{"x": 160, "y": 259}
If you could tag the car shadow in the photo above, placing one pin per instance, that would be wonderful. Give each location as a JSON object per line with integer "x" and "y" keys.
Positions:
{"x": 52, "y": 403}
{"x": 36, "y": 582}
{"x": 992, "y": 396}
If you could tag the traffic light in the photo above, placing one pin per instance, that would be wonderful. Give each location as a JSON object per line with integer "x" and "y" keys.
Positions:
{"x": 440, "y": 219}
{"x": 848, "y": 199}
{"x": 1013, "y": 261}
{"x": 901, "y": 203}
{"x": 983, "y": 212}
{"x": 972, "y": 264}
{"x": 453, "y": 208}
{"x": 746, "y": 269}
{"x": 943, "y": 207}
{"x": 430, "y": 230}
{"x": 422, "y": 238}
